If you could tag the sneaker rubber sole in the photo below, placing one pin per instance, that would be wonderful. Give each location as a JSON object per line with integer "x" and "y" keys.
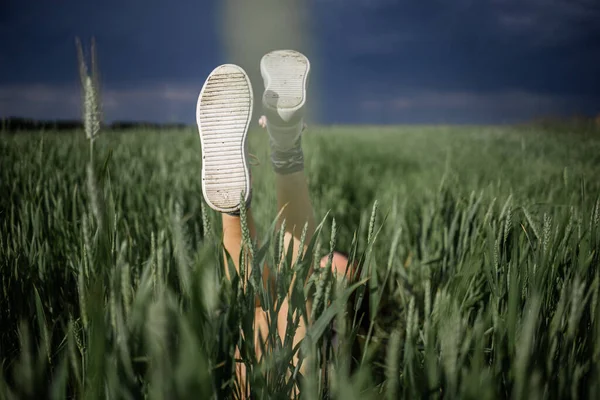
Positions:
{"x": 223, "y": 114}
{"x": 285, "y": 74}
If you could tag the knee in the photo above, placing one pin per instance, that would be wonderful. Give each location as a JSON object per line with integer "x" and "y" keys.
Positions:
{"x": 339, "y": 265}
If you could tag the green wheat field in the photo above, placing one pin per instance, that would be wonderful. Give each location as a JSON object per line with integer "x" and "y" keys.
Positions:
{"x": 478, "y": 252}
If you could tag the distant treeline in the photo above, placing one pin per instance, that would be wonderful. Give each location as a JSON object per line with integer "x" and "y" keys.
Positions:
{"x": 15, "y": 124}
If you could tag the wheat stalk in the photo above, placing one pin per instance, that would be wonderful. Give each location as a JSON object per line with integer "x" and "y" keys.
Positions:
{"x": 90, "y": 92}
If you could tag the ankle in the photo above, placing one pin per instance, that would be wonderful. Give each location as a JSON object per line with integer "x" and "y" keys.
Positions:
{"x": 285, "y": 137}
{"x": 237, "y": 212}
{"x": 287, "y": 161}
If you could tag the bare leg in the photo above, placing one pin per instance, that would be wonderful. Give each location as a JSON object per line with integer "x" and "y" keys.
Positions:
{"x": 232, "y": 237}
{"x": 293, "y": 198}
{"x": 285, "y": 75}
{"x": 339, "y": 266}
{"x": 232, "y": 242}
{"x": 296, "y": 209}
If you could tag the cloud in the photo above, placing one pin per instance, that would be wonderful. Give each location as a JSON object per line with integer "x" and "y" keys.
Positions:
{"x": 462, "y": 106}
{"x": 39, "y": 101}
{"x": 164, "y": 102}
{"x": 157, "y": 102}
{"x": 504, "y": 101}
{"x": 547, "y": 22}
{"x": 171, "y": 102}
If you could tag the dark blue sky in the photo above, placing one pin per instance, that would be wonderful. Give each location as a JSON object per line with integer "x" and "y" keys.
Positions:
{"x": 374, "y": 61}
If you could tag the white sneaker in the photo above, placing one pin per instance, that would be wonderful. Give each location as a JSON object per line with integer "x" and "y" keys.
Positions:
{"x": 285, "y": 74}
{"x": 223, "y": 114}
